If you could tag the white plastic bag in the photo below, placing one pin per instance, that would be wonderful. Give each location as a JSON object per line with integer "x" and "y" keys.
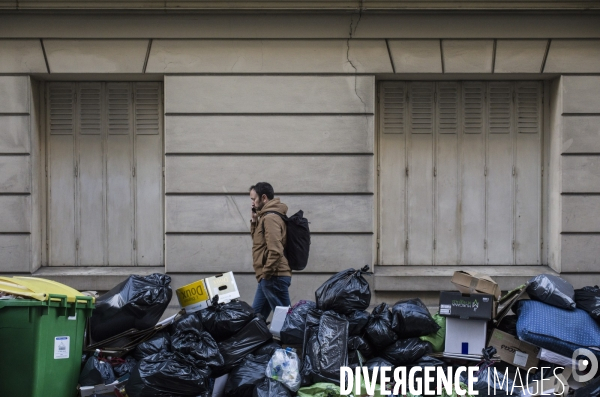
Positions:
{"x": 284, "y": 367}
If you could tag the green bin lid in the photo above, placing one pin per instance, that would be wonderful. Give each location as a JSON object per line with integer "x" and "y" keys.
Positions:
{"x": 37, "y": 288}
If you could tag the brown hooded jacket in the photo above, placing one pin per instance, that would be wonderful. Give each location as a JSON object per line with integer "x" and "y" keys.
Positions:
{"x": 268, "y": 241}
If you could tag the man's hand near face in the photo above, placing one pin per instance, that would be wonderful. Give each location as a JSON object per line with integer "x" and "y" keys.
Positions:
{"x": 254, "y": 214}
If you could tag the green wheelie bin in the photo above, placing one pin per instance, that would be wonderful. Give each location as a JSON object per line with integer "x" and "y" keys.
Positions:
{"x": 41, "y": 337}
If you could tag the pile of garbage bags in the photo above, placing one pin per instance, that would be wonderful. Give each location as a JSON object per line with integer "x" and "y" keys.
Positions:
{"x": 228, "y": 350}
{"x": 186, "y": 357}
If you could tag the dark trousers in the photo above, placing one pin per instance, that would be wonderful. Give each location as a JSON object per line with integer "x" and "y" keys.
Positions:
{"x": 270, "y": 293}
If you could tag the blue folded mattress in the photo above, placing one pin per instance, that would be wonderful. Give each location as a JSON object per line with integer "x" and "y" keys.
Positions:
{"x": 559, "y": 330}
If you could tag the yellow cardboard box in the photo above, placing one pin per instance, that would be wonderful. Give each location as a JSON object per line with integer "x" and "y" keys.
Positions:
{"x": 193, "y": 297}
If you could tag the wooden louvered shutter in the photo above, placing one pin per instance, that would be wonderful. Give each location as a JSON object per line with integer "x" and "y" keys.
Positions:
{"x": 446, "y": 173}
{"x": 447, "y": 108}
{"x": 420, "y": 165}
{"x": 500, "y": 174}
{"x": 148, "y": 163}
{"x": 528, "y": 161}
{"x": 473, "y": 107}
{"x": 90, "y": 108}
{"x": 90, "y": 176}
{"x": 147, "y": 108}
{"x": 61, "y": 108}
{"x": 120, "y": 107}
{"x": 472, "y": 174}
{"x": 393, "y": 107}
{"x": 393, "y": 124}
{"x": 120, "y": 196}
{"x": 499, "y": 108}
{"x": 421, "y": 107}
{"x": 61, "y": 174}
{"x": 529, "y": 107}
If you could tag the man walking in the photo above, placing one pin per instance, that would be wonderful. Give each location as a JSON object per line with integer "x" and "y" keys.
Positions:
{"x": 268, "y": 231}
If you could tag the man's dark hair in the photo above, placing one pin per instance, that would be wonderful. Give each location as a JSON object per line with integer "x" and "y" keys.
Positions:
{"x": 263, "y": 188}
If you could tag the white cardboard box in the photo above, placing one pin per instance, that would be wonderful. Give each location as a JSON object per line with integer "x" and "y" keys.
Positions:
{"x": 465, "y": 336}
{"x": 278, "y": 319}
{"x": 223, "y": 285}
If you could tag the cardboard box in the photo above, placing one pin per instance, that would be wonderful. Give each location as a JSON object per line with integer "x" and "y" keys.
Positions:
{"x": 469, "y": 282}
{"x": 278, "y": 319}
{"x": 223, "y": 285}
{"x": 193, "y": 297}
{"x": 508, "y": 301}
{"x": 474, "y": 306}
{"x": 555, "y": 358}
{"x": 514, "y": 351}
{"x": 465, "y": 336}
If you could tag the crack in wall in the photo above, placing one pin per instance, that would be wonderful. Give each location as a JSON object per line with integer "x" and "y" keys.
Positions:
{"x": 351, "y": 34}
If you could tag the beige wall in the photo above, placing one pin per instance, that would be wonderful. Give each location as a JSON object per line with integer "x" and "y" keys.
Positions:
{"x": 310, "y": 136}
{"x": 579, "y": 125}
{"x": 16, "y": 209}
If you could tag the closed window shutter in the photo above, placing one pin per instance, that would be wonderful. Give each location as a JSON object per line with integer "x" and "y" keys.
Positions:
{"x": 119, "y": 108}
{"x": 393, "y": 107}
{"x": 421, "y": 100}
{"x": 447, "y": 108}
{"x": 499, "y": 108}
{"x": 491, "y": 171}
{"x": 473, "y": 107}
{"x": 90, "y": 108}
{"x": 529, "y": 104}
{"x": 147, "y": 108}
{"x": 61, "y": 98}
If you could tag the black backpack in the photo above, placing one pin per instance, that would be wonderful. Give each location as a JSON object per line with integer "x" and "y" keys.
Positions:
{"x": 298, "y": 239}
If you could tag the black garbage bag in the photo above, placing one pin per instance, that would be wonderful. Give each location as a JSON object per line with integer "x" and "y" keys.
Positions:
{"x": 167, "y": 374}
{"x": 244, "y": 378}
{"x": 271, "y": 388}
{"x": 552, "y": 290}
{"x": 267, "y": 348}
{"x": 325, "y": 347}
{"x": 406, "y": 351}
{"x": 427, "y": 361}
{"x": 159, "y": 342}
{"x": 292, "y": 332}
{"x": 592, "y": 389}
{"x": 345, "y": 292}
{"x": 96, "y": 372}
{"x": 189, "y": 322}
{"x": 198, "y": 346}
{"x": 137, "y": 302}
{"x": 509, "y": 324}
{"x": 588, "y": 299}
{"x": 125, "y": 367}
{"x": 498, "y": 386}
{"x": 377, "y": 362}
{"x": 358, "y": 344}
{"x": 225, "y": 320}
{"x": 234, "y": 350}
{"x": 357, "y": 321}
{"x": 379, "y": 330}
{"x": 411, "y": 318}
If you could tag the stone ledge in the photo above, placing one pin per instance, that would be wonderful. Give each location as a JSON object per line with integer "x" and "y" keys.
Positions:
{"x": 437, "y": 278}
{"x": 305, "y": 5}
